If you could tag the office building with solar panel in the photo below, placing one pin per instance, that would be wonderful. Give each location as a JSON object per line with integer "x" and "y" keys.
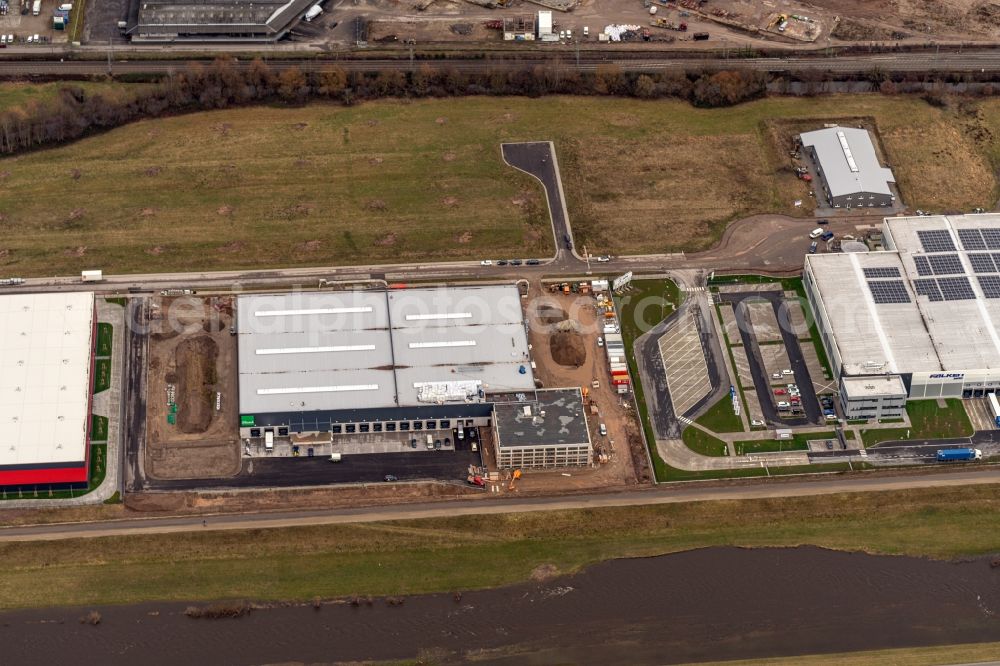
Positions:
{"x": 918, "y": 320}
{"x": 848, "y": 167}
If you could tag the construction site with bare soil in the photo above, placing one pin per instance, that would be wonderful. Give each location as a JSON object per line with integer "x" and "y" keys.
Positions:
{"x": 192, "y": 403}
{"x": 565, "y": 337}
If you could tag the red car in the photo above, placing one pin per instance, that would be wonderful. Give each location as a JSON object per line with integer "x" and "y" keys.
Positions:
{"x": 780, "y": 392}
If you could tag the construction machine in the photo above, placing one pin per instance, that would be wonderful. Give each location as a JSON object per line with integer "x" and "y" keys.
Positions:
{"x": 513, "y": 479}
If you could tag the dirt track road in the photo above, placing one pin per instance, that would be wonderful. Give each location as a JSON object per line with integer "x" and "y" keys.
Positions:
{"x": 650, "y": 496}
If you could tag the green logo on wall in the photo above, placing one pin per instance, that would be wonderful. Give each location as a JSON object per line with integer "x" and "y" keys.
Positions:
{"x": 247, "y": 420}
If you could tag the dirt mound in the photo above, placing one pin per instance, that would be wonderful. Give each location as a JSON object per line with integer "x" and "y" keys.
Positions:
{"x": 155, "y": 250}
{"x": 195, "y": 359}
{"x": 4, "y": 254}
{"x": 387, "y": 240}
{"x": 450, "y": 202}
{"x": 147, "y": 212}
{"x": 551, "y": 314}
{"x": 376, "y": 205}
{"x": 464, "y": 237}
{"x": 567, "y": 348}
{"x": 544, "y": 572}
{"x": 449, "y": 156}
{"x": 224, "y": 210}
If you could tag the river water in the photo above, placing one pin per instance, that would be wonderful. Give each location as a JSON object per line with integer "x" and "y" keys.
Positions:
{"x": 710, "y": 604}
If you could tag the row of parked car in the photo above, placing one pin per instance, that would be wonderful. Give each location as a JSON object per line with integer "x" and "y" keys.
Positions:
{"x": 826, "y": 401}
{"x": 789, "y": 398}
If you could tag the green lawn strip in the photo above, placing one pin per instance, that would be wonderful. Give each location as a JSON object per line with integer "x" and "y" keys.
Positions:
{"x": 117, "y": 300}
{"x": 104, "y": 339}
{"x": 927, "y": 421}
{"x": 720, "y": 417}
{"x": 921, "y": 656}
{"x": 702, "y": 442}
{"x": 405, "y": 557}
{"x": 102, "y": 374}
{"x": 798, "y": 442}
{"x": 98, "y": 428}
{"x": 76, "y": 23}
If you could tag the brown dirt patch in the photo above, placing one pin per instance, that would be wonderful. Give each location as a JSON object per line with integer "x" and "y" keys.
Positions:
{"x": 195, "y": 358}
{"x": 450, "y": 202}
{"x": 156, "y": 250}
{"x": 623, "y": 120}
{"x": 222, "y": 128}
{"x": 441, "y": 120}
{"x": 387, "y": 240}
{"x": 232, "y": 247}
{"x": 464, "y": 237}
{"x": 300, "y": 126}
{"x": 4, "y": 175}
{"x": 78, "y": 251}
{"x": 147, "y": 212}
{"x": 224, "y": 210}
{"x": 77, "y": 213}
{"x": 300, "y": 163}
{"x": 567, "y": 348}
{"x": 375, "y": 161}
{"x": 4, "y": 254}
{"x": 449, "y": 156}
{"x": 376, "y": 204}
{"x": 75, "y": 174}
{"x": 550, "y": 314}
{"x": 544, "y": 572}
{"x": 308, "y": 246}
{"x": 153, "y": 171}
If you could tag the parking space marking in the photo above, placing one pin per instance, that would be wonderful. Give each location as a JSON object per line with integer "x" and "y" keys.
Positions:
{"x": 684, "y": 364}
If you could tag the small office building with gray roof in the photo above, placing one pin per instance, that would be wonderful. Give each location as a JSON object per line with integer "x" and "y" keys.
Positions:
{"x": 848, "y": 167}
{"x": 378, "y": 361}
{"x": 542, "y": 429}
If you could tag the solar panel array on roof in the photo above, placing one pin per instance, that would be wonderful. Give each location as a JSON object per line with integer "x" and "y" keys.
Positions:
{"x": 946, "y": 264}
{"x": 888, "y": 291}
{"x": 990, "y": 284}
{"x": 923, "y": 266}
{"x": 971, "y": 239}
{"x": 937, "y": 240}
{"x": 982, "y": 263}
{"x": 881, "y": 272}
{"x": 992, "y": 238}
{"x": 929, "y": 288}
{"x": 956, "y": 289}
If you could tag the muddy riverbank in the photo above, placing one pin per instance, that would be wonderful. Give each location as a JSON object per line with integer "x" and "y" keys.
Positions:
{"x": 710, "y": 604}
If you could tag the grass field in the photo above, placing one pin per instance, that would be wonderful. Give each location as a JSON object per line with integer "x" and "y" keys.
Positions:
{"x": 400, "y": 181}
{"x": 703, "y": 443}
{"x": 406, "y": 557}
{"x": 927, "y": 421}
{"x": 969, "y": 653}
{"x": 14, "y": 95}
{"x": 798, "y": 442}
{"x": 102, "y": 374}
{"x": 98, "y": 428}
{"x": 721, "y": 418}
{"x": 104, "y": 339}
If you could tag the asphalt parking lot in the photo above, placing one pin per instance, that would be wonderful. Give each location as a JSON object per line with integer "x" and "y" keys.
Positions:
{"x": 762, "y": 379}
{"x": 315, "y": 471}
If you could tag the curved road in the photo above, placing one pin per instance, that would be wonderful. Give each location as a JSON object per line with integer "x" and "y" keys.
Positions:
{"x": 485, "y": 506}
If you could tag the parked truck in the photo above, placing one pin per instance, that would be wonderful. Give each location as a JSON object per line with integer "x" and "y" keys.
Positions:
{"x": 313, "y": 12}
{"x": 668, "y": 25}
{"x": 11, "y": 282}
{"x": 957, "y": 455}
{"x": 92, "y": 276}
{"x": 36, "y": 8}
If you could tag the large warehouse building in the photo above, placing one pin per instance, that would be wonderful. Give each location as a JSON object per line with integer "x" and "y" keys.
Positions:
{"x": 543, "y": 429}
{"x": 919, "y": 320}
{"x": 848, "y": 167}
{"x": 46, "y": 364}
{"x": 378, "y": 361}
{"x": 216, "y": 20}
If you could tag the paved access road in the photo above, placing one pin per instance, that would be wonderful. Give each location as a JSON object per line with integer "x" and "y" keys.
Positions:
{"x": 648, "y": 496}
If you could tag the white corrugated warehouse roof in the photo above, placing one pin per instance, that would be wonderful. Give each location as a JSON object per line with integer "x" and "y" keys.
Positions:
{"x": 45, "y": 354}
{"x": 848, "y": 159}
{"x": 370, "y": 349}
{"x": 929, "y": 303}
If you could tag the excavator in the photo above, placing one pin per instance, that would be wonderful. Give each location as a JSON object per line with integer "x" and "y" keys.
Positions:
{"x": 513, "y": 479}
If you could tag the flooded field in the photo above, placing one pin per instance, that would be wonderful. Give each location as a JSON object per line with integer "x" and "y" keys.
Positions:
{"x": 711, "y": 604}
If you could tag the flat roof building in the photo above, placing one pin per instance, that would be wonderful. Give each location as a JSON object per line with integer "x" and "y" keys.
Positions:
{"x": 217, "y": 20}
{"x": 46, "y": 361}
{"x": 927, "y": 309}
{"x": 358, "y": 361}
{"x": 848, "y": 167}
{"x": 545, "y": 428}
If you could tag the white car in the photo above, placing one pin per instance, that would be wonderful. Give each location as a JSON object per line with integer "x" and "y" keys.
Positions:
{"x": 783, "y": 404}
{"x": 600, "y": 342}
{"x": 29, "y": 39}
{"x": 604, "y": 258}
{"x": 755, "y": 422}
{"x": 776, "y": 375}
{"x": 787, "y": 372}
{"x": 486, "y": 262}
